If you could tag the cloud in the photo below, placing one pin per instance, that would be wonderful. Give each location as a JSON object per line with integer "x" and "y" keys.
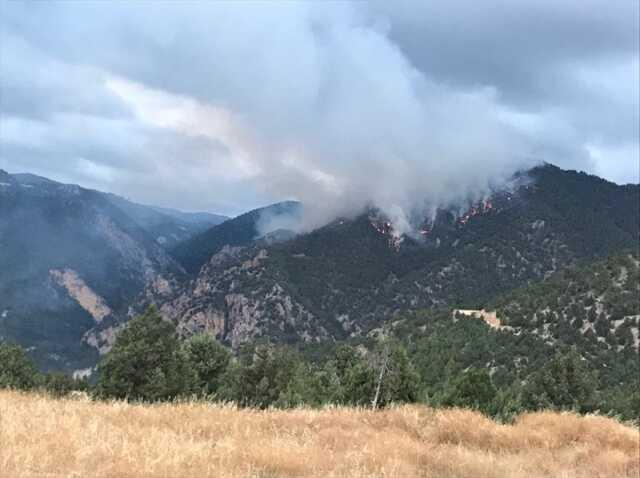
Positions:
{"x": 339, "y": 105}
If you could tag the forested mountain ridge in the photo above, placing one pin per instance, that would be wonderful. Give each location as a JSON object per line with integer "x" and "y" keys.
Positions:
{"x": 167, "y": 226}
{"x": 71, "y": 258}
{"x": 596, "y": 305}
{"x": 195, "y": 252}
{"x": 346, "y": 278}
{"x": 592, "y": 307}
{"x": 76, "y": 266}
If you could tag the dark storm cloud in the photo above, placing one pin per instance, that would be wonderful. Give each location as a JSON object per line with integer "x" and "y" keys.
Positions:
{"x": 404, "y": 105}
{"x": 513, "y": 45}
{"x": 578, "y": 56}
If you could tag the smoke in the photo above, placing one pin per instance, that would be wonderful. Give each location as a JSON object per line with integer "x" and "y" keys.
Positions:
{"x": 312, "y": 102}
{"x": 363, "y": 128}
{"x": 326, "y": 109}
{"x": 344, "y": 122}
{"x": 285, "y": 216}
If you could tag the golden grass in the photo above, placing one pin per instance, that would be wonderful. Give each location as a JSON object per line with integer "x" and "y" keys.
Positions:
{"x": 44, "y": 437}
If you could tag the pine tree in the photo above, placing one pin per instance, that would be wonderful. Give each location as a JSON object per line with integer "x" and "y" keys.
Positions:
{"x": 17, "y": 369}
{"x": 564, "y": 383}
{"x": 473, "y": 389}
{"x": 146, "y": 362}
{"x": 397, "y": 379}
{"x": 208, "y": 360}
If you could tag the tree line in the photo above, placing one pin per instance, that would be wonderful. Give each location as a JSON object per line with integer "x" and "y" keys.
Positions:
{"x": 149, "y": 363}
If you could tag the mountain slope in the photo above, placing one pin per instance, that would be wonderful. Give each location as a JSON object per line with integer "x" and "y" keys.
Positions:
{"x": 77, "y": 263}
{"x": 192, "y": 254}
{"x": 595, "y": 307}
{"x": 349, "y": 276}
{"x": 70, "y": 260}
{"x": 167, "y": 226}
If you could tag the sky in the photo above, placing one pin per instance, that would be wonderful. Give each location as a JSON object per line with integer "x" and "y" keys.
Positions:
{"x": 407, "y": 106}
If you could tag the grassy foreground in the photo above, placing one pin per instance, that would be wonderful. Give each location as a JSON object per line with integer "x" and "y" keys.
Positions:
{"x": 45, "y": 437}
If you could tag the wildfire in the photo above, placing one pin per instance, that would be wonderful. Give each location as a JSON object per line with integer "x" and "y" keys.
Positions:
{"x": 386, "y": 229}
{"x": 383, "y": 228}
{"x": 482, "y": 207}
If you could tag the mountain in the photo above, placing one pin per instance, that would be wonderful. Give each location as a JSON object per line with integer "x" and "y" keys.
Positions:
{"x": 192, "y": 254}
{"x": 77, "y": 263}
{"x": 348, "y": 277}
{"x": 72, "y": 259}
{"x": 168, "y": 226}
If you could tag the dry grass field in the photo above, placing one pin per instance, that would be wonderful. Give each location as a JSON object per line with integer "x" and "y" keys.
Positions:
{"x": 43, "y": 437}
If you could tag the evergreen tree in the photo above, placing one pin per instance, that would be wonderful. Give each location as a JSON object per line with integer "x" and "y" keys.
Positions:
{"x": 473, "y": 389}
{"x": 260, "y": 376}
{"x": 208, "y": 360}
{"x": 17, "y": 369}
{"x": 564, "y": 383}
{"x": 396, "y": 380}
{"x": 355, "y": 377}
{"x": 146, "y": 362}
{"x": 309, "y": 386}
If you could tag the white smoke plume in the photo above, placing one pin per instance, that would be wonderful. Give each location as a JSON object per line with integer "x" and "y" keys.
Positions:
{"x": 340, "y": 120}
{"x": 308, "y": 101}
{"x": 319, "y": 105}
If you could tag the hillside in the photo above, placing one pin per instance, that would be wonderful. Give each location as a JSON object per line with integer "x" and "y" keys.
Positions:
{"x": 72, "y": 259}
{"x": 44, "y": 436}
{"x": 348, "y": 277}
{"x": 595, "y": 307}
{"x": 193, "y": 253}
{"x": 78, "y": 263}
{"x": 167, "y": 226}
{"x": 598, "y": 303}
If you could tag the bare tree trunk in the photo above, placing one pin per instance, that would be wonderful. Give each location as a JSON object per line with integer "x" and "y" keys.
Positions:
{"x": 383, "y": 369}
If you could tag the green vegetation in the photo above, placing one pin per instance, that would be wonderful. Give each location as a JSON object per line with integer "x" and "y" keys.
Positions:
{"x": 446, "y": 362}
{"x": 18, "y": 371}
{"x": 564, "y": 383}
{"x": 348, "y": 277}
{"x": 146, "y": 362}
{"x": 472, "y": 389}
{"x": 193, "y": 253}
{"x": 596, "y": 305}
{"x": 209, "y": 360}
